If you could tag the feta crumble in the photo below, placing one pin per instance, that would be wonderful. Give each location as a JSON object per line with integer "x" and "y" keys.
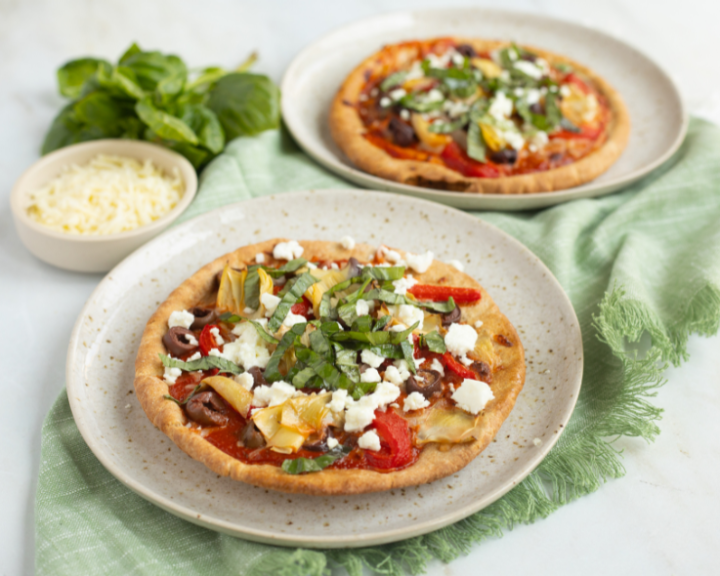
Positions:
{"x": 219, "y": 340}
{"x": 460, "y": 339}
{"x": 384, "y": 394}
{"x": 245, "y": 380}
{"x": 415, "y": 401}
{"x": 347, "y": 242}
{"x": 360, "y": 414}
{"x": 529, "y": 68}
{"x": 370, "y": 375}
{"x": 194, "y": 357}
{"x": 371, "y": 359}
{"x": 332, "y": 442}
{"x": 270, "y": 301}
{"x": 402, "y": 285}
{"x": 501, "y": 107}
{"x": 259, "y": 258}
{"x": 337, "y": 403}
{"x": 419, "y": 262}
{"x": 275, "y": 394}
{"x": 362, "y": 308}
{"x": 248, "y": 350}
{"x": 472, "y": 395}
{"x": 287, "y": 250}
{"x": 292, "y": 319}
{"x": 409, "y": 315}
{"x": 181, "y": 318}
{"x": 171, "y": 375}
{"x": 457, "y": 264}
{"x": 437, "y": 366}
{"x": 369, "y": 441}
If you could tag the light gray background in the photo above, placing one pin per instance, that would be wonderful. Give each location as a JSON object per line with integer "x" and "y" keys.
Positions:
{"x": 662, "y": 518}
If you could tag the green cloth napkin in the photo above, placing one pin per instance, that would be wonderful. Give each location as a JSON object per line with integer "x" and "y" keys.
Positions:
{"x": 646, "y": 260}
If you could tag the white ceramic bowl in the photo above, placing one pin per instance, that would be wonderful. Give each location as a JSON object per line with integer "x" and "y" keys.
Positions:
{"x": 93, "y": 253}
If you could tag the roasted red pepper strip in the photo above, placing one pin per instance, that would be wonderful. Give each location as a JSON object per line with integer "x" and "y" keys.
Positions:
{"x": 303, "y": 308}
{"x": 455, "y": 366}
{"x": 443, "y": 293}
{"x": 395, "y": 443}
{"x": 456, "y": 159}
{"x": 207, "y": 341}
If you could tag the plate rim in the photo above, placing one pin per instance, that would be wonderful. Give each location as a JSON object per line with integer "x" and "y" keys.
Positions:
{"x": 75, "y": 353}
{"x": 506, "y": 202}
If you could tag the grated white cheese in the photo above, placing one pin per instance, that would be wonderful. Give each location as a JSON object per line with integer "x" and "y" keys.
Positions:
{"x": 109, "y": 194}
{"x": 369, "y": 441}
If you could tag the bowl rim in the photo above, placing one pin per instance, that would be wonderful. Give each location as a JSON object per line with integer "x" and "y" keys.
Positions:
{"x": 105, "y": 145}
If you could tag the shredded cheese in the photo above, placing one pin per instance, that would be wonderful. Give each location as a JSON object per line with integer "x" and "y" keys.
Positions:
{"x": 110, "y": 194}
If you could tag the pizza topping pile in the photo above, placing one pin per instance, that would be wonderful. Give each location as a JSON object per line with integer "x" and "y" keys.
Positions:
{"x": 484, "y": 115}
{"x": 313, "y": 364}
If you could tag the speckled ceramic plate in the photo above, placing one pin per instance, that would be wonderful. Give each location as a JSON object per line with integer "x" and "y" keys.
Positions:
{"x": 107, "y": 334}
{"x": 658, "y": 117}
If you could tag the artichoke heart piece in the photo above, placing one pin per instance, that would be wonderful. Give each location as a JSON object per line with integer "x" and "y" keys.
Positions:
{"x": 493, "y": 138}
{"x": 231, "y": 294}
{"x": 447, "y": 425}
{"x": 432, "y": 140}
{"x": 487, "y": 67}
{"x": 234, "y": 394}
{"x": 578, "y": 107}
{"x": 326, "y": 280}
{"x": 266, "y": 287}
{"x": 485, "y": 351}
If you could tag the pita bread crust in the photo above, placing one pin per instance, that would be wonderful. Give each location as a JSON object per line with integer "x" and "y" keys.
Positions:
{"x": 434, "y": 462}
{"x": 347, "y": 129}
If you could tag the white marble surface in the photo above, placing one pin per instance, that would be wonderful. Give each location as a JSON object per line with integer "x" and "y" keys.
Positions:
{"x": 662, "y": 518}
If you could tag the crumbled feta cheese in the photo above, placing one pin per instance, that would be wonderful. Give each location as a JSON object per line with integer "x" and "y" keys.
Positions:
{"x": 529, "y": 68}
{"x": 434, "y": 96}
{"x": 540, "y": 139}
{"x": 287, "y": 250}
{"x": 415, "y": 401}
{"x": 216, "y": 334}
{"x": 190, "y": 339}
{"x": 405, "y": 114}
{"x": 371, "y": 359}
{"x": 419, "y": 262}
{"x": 216, "y": 352}
{"x": 385, "y": 102}
{"x": 181, "y": 318}
{"x": 334, "y": 266}
{"x": 392, "y": 256}
{"x": 437, "y": 366}
{"x": 415, "y": 72}
{"x": 504, "y": 76}
{"x": 270, "y": 301}
{"x": 478, "y": 324}
{"x": 397, "y": 94}
{"x": 402, "y": 285}
{"x": 532, "y": 96}
{"x": 292, "y": 319}
{"x": 370, "y": 375}
{"x": 454, "y": 108}
{"x": 347, "y": 242}
{"x": 245, "y": 380}
{"x": 457, "y": 264}
{"x": 332, "y": 442}
{"x": 249, "y": 349}
{"x": 501, "y": 107}
{"x": 337, "y": 404}
{"x": 398, "y": 327}
{"x": 513, "y": 138}
{"x": 512, "y": 54}
{"x": 259, "y": 258}
{"x": 458, "y": 59}
{"x": 397, "y": 373}
{"x": 171, "y": 374}
{"x": 275, "y": 394}
{"x": 359, "y": 414}
{"x": 565, "y": 91}
{"x": 194, "y": 357}
{"x": 384, "y": 394}
{"x": 472, "y": 395}
{"x": 460, "y": 339}
{"x": 249, "y": 311}
{"x": 369, "y": 441}
{"x": 362, "y": 308}
{"x": 409, "y": 315}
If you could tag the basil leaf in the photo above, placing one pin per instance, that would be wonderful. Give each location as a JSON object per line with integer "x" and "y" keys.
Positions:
{"x": 434, "y": 342}
{"x": 447, "y": 127}
{"x": 271, "y": 370}
{"x": 476, "y": 148}
{"x": 374, "y": 338}
{"x": 362, "y": 388}
{"x": 381, "y": 322}
{"x": 459, "y": 82}
{"x": 245, "y": 104}
{"x": 438, "y": 307}
{"x": 363, "y": 324}
{"x": 413, "y": 102}
{"x": 387, "y": 351}
{"x": 552, "y": 110}
{"x": 291, "y": 266}
{"x": 331, "y": 377}
{"x": 346, "y": 361}
{"x": 252, "y": 288}
{"x": 298, "y": 289}
{"x": 163, "y": 124}
{"x": 407, "y": 350}
{"x": 264, "y": 334}
{"x": 324, "y": 309}
{"x": 398, "y": 337}
{"x": 204, "y": 363}
{"x": 385, "y": 296}
{"x": 319, "y": 343}
{"x": 348, "y": 313}
{"x": 72, "y": 76}
{"x": 383, "y": 272}
{"x": 231, "y": 318}
{"x": 393, "y": 80}
{"x": 305, "y": 465}
{"x": 304, "y": 378}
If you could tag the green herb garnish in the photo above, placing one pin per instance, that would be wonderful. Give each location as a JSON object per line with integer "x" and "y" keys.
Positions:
{"x": 304, "y": 465}
{"x": 204, "y": 363}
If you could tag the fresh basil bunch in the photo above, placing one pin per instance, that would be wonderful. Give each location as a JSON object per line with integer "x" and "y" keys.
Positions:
{"x": 152, "y": 96}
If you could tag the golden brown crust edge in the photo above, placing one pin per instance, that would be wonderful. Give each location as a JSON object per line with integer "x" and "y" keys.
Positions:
{"x": 347, "y": 129}
{"x": 432, "y": 463}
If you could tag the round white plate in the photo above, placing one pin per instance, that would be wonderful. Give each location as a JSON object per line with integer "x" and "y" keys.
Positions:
{"x": 100, "y": 369}
{"x": 658, "y": 117}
